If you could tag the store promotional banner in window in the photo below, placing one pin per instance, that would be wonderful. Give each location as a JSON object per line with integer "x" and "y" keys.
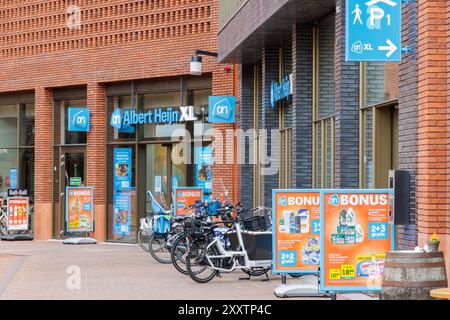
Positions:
{"x": 296, "y": 230}
{"x": 13, "y": 183}
{"x": 122, "y": 168}
{"x": 185, "y": 197}
{"x": 203, "y": 169}
{"x": 80, "y": 209}
{"x": 17, "y": 213}
{"x": 355, "y": 237}
{"x": 122, "y": 213}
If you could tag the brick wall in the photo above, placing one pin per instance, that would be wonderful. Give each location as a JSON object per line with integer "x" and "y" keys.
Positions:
{"x": 118, "y": 40}
{"x": 407, "y": 120}
{"x": 302, "y": 43}
{"x": 347, "y": 110}
{"x": 433, "y": 196}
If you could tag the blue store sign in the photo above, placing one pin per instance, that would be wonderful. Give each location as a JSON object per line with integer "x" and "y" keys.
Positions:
{"x": 281, "y": 91}
{"x": 222, "y": 109}
{"x": 79, "y": 119}
{"x": 373, "y": 30}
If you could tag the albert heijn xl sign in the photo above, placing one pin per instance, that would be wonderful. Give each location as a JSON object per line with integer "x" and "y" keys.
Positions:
{"x": 373, "y": 30}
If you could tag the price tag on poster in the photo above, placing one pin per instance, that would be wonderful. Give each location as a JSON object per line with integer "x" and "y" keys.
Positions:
{"x": 355, "y": 236}
{"x": 185, "y": 197}
{"x": 17, "y": 213}
{"x": 79, "y": 209}
{"x": 296, "y": 221}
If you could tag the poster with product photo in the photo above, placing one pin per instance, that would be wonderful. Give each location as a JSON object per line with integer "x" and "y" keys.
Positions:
{"x": 185, "y": 197}
{"x": 122, "y": 213}
{"x": 17, "y": 213}
{"x": 296, "y": 230}
{"x": 122, "y": 168}
{"x": 203, "y": 169}
{"x": 79, "y": 209}
{"x": 355, "y": 237}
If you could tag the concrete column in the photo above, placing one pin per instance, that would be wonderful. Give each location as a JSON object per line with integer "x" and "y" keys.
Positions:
{"x": 43, "y": 198}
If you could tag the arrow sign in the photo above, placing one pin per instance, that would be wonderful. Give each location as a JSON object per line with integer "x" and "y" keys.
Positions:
{"x": 390, "y": 47}
{"x": 373, "y": 30}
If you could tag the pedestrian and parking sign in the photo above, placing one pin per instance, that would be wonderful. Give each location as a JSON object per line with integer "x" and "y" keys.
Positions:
{"x": 373, "y": 30}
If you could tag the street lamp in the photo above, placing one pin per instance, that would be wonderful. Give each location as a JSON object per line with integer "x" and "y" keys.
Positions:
{"x": 196, "y": 61}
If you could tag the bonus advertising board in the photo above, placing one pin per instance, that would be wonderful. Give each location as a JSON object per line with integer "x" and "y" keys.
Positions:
{"x": 356, "y": 235}
{"x": 296, "y": 221}
{"x": 185, "y": 197}
{"x": 79, "y": 209}
{"x": 18, "y": 208}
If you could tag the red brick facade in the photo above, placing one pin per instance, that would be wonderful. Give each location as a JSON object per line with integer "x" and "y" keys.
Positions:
{"x": 119, "y": 40}
{"x": 433, "y": 180}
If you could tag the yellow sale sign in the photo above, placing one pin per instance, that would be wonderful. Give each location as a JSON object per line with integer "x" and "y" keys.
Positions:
{"x": 296, "y": 223}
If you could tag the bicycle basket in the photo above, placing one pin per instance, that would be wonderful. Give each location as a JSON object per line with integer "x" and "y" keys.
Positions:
{"x": 192, "y": 228}
{"x": 257, "y": 223}
{"x": 212, "y": 207}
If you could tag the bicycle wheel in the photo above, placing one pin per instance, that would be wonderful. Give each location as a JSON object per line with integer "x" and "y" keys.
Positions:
{"x": 144, "y": 239}
{"x": 159, "y": 249}
{"x": 197, "y": 266}
{"x": 179, "y": 252}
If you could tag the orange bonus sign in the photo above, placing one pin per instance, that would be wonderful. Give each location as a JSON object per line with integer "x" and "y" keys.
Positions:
{"x": 296, "y": 230}
{"x": 355, "y": 236}
{"x": 185, "y": 197}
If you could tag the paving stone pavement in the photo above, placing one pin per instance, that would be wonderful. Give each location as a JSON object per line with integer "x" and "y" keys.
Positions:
{"x": 39, "y": 270}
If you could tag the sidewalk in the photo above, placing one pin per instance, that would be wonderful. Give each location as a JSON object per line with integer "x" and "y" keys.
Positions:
{"x": 38, "y": 270}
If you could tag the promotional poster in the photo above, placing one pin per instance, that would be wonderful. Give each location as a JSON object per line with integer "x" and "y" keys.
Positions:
{"x": 355, "y": 238}
{"x": 122, "y": 168}
{"x": 122, "y": 213}
{"x": 296, "y": 229}
{"x": 185, "y": 197}
{"x": 203, "y": 169}
{"x": 80, "y": 209}
{"x": 17, "y": 213}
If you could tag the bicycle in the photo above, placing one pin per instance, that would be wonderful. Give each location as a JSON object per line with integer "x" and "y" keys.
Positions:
{"x": 211, "y": 257}
{"x": 144, "y": 233}
{"x": 182, "y": 244}
{"x": 3, "y": 217}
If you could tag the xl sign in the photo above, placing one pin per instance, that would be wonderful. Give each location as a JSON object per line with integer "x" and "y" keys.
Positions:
{"x": 79, "y": 119}
{"x": 221, "y": 109}
{"x": 373, "y": 30}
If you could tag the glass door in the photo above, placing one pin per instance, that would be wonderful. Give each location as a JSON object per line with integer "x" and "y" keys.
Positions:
{"x": 72, "y": 169}
{"x": 163, "y": 174}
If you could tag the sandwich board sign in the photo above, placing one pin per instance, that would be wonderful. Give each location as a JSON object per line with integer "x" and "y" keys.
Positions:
{"x": 373, "y": 30}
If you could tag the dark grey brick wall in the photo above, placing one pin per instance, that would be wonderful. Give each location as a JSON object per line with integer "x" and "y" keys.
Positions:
{"x": 302, "y": 58}
{"x": 269, "y": 119}
{"x": 407, "y": 133}
{"x": 347, "y": 110}
{"x": 245, "y": 122}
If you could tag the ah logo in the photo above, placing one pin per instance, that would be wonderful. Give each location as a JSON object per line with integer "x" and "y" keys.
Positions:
{"x": 282, "y": 201}
{"x": 334, "y": 200}
{"x": 116, "y": 119}
{"x": 222, "y": 109}
{"x": 79, "y": 119}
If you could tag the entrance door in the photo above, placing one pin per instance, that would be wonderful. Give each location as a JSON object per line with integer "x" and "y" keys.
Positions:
{"x": 163, "y": 173}
{"x": 72, "y": 172}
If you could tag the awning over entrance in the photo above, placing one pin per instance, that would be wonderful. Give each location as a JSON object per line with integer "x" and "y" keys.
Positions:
{"x": 265, "y": 22}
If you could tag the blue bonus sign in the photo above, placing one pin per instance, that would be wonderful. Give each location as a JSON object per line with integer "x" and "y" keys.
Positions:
{"x": 373, "y": 30}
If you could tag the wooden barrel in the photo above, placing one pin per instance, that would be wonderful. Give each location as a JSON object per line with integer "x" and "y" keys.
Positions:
{"x": 410, "y": 275}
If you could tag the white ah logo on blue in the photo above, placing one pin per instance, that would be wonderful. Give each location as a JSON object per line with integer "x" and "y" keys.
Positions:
{"x": 282, "y": 201}
{"x": 116, "y": 119}
{"x": 222, "y": 109}
{"x": 80, "y": 119}
{"x": 334, "y": 200}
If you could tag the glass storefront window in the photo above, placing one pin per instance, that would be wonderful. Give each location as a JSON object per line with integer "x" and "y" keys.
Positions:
{"x": 62, "y": 134}
{"x": 8, "y": 161}
{"x": 163, "y": 100}
{"x": 381, "y": 82}
{"x": 26, "y": 119}
{"x": 201, "y": 101}
{"x": 8, "y": 126}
